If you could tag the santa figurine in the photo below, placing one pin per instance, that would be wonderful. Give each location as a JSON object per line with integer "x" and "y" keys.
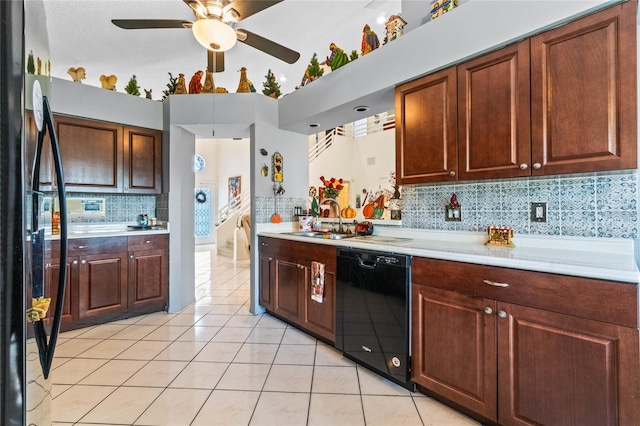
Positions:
{"x": 195, "y": 85}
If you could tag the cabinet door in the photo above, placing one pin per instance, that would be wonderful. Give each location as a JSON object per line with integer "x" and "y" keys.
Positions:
{"x": 426, "y": 146}
{"x": 454, "y": 348}
{"x": 102, "y": 284}
{"x": 494, "y": 138}
{"x": 267, "y": 279}
{"x": 51, "y": 277}
{"x": 142, "y": 160}
{"x": 91, "y": 154}
{"x": 289, "y": 291}
{"x": 320, "y": 317}
{"x": 583, "y": 94}
{"x": 148, "y": 279}
{"x": 556, "y": 369}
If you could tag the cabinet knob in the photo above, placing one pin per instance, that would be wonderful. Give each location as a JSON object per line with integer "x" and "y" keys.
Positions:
{"x": 495, "y": 284}
{"x": 81, "y": 247}
{"x": 264, "y": 244}
{"x": 300, "y": 266}
{"x": 126, "y": 188}
{"x": 488, "y": 310}
{"x": 75, "y": 262}
{"x": 83, "y": 261}
{"x": 524, "y": 166}
{"x": 537, "y": 166}
{"x": 147, "y": 242}
{"x": 452, "y": 173}
{"x": 269, "y": 259}
{"x": 502, "y": 314}
{"x": 131, "y": 256}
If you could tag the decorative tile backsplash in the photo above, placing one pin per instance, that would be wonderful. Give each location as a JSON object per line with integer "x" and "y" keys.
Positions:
{"x": 284, "y": 206}
{"x": 120, "y": 208}
{"x": 587, "y": 205}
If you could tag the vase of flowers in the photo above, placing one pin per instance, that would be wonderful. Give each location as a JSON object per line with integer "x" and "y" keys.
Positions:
{"x": 332, "y": 187}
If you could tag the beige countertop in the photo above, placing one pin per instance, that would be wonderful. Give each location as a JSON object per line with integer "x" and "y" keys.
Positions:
{"x": 602, "y": 258}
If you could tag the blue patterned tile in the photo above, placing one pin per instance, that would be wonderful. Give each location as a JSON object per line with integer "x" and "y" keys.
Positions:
{"x": 545, "y": 190}
{"x": 577, "y": 194}
{"x": 616, "y": 192}
{"x": 550, "y": 227}
{"x": 469, "y": 221}
{"x": 488, "y": 197}
{"x": 514, "y": 196}
{"x": 486, "y": 219}
{"x": 518, "y": 220}
{"x": 467, "y": 196}
{"x": 617, "y": 224}
{"x": 578, "y": 223}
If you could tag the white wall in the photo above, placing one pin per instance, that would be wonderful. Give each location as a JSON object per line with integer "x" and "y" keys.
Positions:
{"x": 233, "y": 160}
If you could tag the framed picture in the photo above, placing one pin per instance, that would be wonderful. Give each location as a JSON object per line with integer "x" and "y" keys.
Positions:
{"x": 234, "y": 189}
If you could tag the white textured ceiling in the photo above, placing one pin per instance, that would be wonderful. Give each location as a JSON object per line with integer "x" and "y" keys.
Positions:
{"x": 81, "y": 34}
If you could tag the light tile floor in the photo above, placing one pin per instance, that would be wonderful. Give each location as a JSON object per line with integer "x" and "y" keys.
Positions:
{"x": 214, "y": 363}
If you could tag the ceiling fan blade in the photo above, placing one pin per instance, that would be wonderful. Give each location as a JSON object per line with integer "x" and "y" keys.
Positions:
{"x": 246, "y": 8}
{"x": 267, "y": 46}
{"x": 215, "y": 61}
{"x": 142, "y": 24}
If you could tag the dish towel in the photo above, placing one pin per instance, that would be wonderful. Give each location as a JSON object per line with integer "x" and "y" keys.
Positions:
{"x": 317, "y": 281}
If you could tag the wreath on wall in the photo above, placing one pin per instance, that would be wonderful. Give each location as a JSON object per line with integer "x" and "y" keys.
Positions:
{"x": 201, "y": 197}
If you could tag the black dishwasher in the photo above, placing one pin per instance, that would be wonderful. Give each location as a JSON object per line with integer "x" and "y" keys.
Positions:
{"x": 373, "y": 312}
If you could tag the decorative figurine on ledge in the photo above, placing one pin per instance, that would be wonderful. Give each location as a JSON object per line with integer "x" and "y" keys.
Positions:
{"x": 208, "y": 87}
{"x": 394, "y": 28}
{"x": 77, "y": 74}
{"x": 147, "y": 93}
{"x": 108, "y": 82}
{"x": 181, "y": 86}
{"x": 244, "y": 84}
{"x": 369, "y": 40}
{"x": 195, "y": 84}
{"x": 132, "y": 86}
{"x": 337, "y": 59}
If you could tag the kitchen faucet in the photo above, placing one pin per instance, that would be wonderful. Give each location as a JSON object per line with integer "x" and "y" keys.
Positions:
{"x": 339, "y": 210}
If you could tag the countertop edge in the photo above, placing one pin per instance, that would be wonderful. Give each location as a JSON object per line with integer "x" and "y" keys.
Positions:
{"x": 631, "y": 275}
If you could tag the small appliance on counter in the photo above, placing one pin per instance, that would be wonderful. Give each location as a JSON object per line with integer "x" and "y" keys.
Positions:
{"x": 143, "y": 219}
{"x": 365, "y": 228}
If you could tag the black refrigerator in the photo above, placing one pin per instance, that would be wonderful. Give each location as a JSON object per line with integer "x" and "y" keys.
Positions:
{"x": 28, "y": 145}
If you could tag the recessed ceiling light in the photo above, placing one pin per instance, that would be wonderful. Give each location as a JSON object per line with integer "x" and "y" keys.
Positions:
{"x": 314, "y": 125}
{"x": 283, "y": 78}
{"x": 361, "y": 108}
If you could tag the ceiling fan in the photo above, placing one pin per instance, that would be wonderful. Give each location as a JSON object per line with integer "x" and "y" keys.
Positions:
{"x": 214, "y": 30}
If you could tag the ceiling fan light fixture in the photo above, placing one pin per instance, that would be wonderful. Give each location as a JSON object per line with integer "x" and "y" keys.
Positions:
{"x": 214, "y": 34}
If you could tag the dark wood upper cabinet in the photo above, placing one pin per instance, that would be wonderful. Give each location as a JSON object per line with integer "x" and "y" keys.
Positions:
{"x": 142, "y": 160}
{"x": 91, "y": 153}
{"x": 494, "y": 114}
{"x": 583, "y": 90}
{"x": 426, "y": 148}
{"x": 107, "y": 157}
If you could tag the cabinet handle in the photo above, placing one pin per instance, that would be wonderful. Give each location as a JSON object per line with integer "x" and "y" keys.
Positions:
{"x": 265, "y": 244}
{"x": 147, "y": 242}
{"x": 488, "y": 310}
{"x": 502, "y": 314}
{"x": 75, "y": 262}
{"x": 495, "y": 284}
{"x": 81, "y": 247}
{"x": 524, "y": 166}
{"x": 269, "y": 259}
{"x": 300, "y": 266}
{"x": 537, "y": 166}
{"x": 452, "y": 173}
{"x": 83, "y": 261}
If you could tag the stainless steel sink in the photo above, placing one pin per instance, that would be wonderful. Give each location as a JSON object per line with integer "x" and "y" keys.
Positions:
{"x": 324, "y": 235}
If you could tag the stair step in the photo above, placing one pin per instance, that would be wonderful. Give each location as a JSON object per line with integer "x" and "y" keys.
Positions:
{"x": 225, "y": 252}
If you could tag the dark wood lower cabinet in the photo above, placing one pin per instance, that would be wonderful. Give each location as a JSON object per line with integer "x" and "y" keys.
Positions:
{"x": 520, "y": 365}
{"x": 102, "y": 284}
{"x": 286, "y": 280}
{"x": 109, "y": 278}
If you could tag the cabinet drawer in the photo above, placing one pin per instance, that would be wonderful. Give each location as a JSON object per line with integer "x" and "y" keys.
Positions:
{"x": 148, "y": 242}
{"x": 82, "y": 246}
{"x": 607, "y": 301}
{"x": 301, "y": 251}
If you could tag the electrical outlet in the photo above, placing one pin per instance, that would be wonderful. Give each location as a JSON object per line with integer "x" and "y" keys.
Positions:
{"x": 538, "y": 212}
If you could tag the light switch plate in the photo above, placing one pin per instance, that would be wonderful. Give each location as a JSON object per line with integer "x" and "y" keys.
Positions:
{"x": 538, "y": 212}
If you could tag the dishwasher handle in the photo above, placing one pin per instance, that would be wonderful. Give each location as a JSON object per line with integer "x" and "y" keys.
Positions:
{"x": 366, "y": 263}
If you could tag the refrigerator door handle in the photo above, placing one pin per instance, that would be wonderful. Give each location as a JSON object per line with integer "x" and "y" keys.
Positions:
{"x": 46, "y": 348}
